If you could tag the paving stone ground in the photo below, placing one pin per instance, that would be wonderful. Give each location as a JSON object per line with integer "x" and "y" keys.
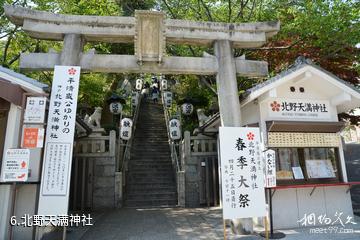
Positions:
{"x": 180, "y": 224}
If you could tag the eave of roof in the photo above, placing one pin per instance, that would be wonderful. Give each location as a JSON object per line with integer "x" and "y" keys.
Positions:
{"x": 300, "y": 62}
{"x": 27, "y": 82}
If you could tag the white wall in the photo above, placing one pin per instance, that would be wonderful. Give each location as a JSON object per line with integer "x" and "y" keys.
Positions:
{"x": 250, "y": 113}
{"x": 11, "y": 141}
{"x": 291, "y": 205}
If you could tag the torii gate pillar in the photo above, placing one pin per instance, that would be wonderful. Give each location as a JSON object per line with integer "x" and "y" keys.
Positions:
{"x": 72, "y": 48}
{"x": 229, "y": 104}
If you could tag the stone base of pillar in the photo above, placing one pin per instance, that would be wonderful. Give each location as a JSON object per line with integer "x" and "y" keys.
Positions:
{"x": 242, "y": 226}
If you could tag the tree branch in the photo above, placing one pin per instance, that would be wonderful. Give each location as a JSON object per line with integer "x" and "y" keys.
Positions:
{"x": 169, "y": 9}
{"x": 207, "y": 11}
{"x": 229, "y": 10}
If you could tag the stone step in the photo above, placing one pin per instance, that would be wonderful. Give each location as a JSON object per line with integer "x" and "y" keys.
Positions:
{"x": 150, "y": 158}
{"x": 141, "y": 189}
{"x": 151, "y": 170}
{"x": 150, "y": 180}
{"x": 132, "y": 180}
{"x": 151, "y": 196}
{"x": 150, "y": 167}
{"x": 151, "y": 203}
{"x": 150, "y": 161}
{"x": 142, "y": 174}
{"x": 148, "y": 185}
{"x": 151, "y": 152}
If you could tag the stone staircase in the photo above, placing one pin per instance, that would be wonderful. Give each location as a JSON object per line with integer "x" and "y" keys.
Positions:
{"x": 150, "y": 180}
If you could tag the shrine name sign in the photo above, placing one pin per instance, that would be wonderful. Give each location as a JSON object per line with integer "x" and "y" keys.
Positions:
{"x": 55, "y": 183}
{"x": 242, "y": 175}
{"x": 287, "y": 108}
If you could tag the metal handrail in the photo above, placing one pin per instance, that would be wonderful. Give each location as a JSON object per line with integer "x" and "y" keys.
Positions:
{"x": 172, "y": 144}
{"x": 128, "y": 146}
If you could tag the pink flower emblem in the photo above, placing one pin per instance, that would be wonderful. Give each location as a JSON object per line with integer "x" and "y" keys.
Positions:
{"x": 72, "y": 71}
{"x": 250, "y": 136}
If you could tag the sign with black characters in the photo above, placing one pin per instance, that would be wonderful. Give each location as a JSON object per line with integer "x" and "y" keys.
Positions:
{"x": 242, "y": 174}
{"x": 298, "y": 109}
{"x": 54, "y": 190}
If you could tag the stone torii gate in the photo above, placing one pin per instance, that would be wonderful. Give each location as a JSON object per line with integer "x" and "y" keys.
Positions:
{"x": 150, "y": 32}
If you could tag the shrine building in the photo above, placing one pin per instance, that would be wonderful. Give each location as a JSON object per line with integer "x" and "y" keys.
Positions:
{"x": 297, "y": 112}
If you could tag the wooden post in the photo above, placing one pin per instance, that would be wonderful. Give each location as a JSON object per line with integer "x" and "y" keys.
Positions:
{"x": 266, "y": 229}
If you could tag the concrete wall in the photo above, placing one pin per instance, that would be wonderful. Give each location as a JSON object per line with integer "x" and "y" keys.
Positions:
{"x": 25, "y": 205}
{"x": 291, "y": 205}
{"x": 192, "y": 182}
{"x": 104, "y": 183}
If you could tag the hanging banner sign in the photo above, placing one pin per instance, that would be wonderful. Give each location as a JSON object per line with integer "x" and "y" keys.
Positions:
{"x": 290, "y": 109}
{"x": 35, "y": 110}
{"x": 270, "y": 168}
{"x": 16, "y": 165}
{"x": 242, "y": 176}
{"x": 55, "y": 183}
{"x": 33, "y": 137}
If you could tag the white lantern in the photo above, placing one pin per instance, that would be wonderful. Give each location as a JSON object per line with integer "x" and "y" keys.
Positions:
{"x": 139, "y": 84}
{"x": 126, "y": 128}
{"x": 187, "y": 109}
{"x": 134, "y": 99}
{"x": 115, "y": 108}
{"x": 174, "y": 129}
{"x": 164, "y": 84}
{"x": 167, "y": 96}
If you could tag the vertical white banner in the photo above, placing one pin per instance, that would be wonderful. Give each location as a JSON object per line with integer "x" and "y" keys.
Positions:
{"x": 56, "y": 172}
{"x": 270, "y": 168}
{"x": 242, "y": 176}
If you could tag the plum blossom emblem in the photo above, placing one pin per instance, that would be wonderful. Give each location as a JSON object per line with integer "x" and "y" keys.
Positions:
{"x": 275, "y": 106}
{"x": 250, "y": 136}
{"x": 72, "y": 71}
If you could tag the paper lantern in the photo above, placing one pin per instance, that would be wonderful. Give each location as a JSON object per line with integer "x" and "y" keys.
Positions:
{"x": 164, "y": 84}
{"x": 167, "y": 97}
{"x": 115, "y": 108}
{"x": 139, "y": 84}
{"x": 174, "y": 129}
{"x": 187, "y": 108}
{"x": 126, "y": 128}
{"x": 135, "y": 99}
